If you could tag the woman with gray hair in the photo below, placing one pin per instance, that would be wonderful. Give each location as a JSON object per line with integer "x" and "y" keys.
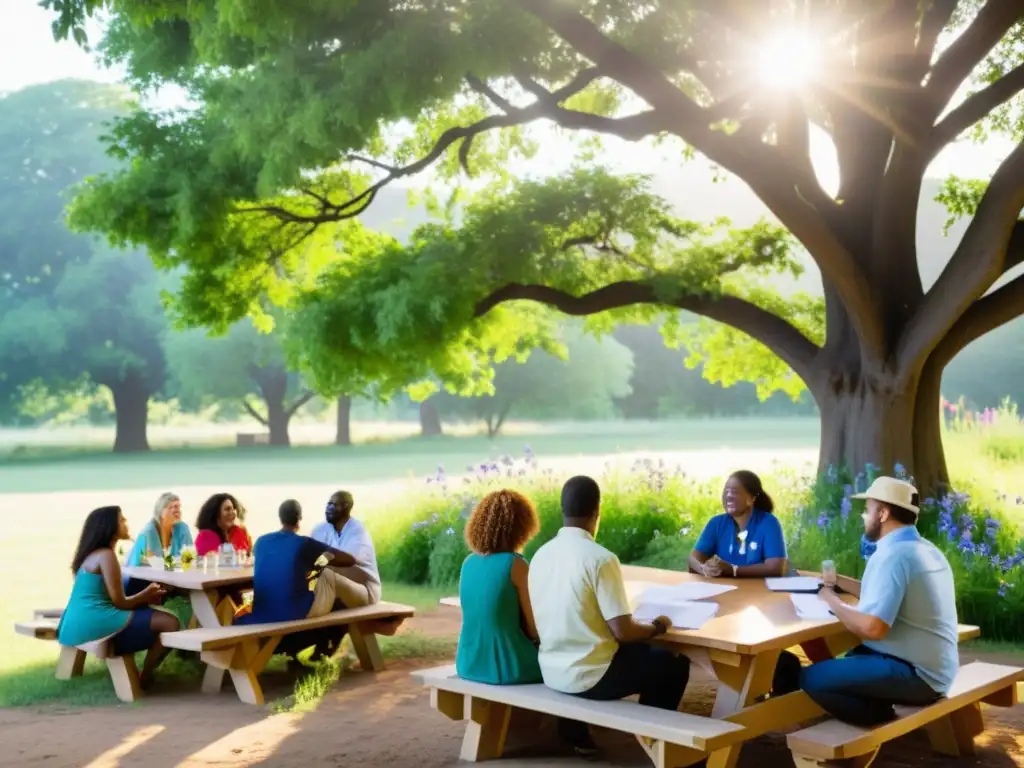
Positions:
{"x": 164, "y": 532}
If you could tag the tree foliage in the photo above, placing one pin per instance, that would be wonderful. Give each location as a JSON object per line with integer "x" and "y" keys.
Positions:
{"x": 238, "y": 366}
{"x": 582, "y": 385}
{"x": 295, "y": 132}
{"x": 73, "y": 313}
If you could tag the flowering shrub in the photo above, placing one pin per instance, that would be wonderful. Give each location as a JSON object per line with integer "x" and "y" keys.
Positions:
{"x": 652, "y": 514}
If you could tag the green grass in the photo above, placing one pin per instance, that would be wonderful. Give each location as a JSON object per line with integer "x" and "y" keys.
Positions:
{"x": 383, "y": 461}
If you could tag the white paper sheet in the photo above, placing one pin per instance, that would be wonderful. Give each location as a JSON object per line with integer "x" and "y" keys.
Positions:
{"x": 693, "y": 590}
{"x": 794, "y": 584}
{"x": 810, "y": 607}
{"x": 636, "y": 588}
{"x": 683, "y": 615}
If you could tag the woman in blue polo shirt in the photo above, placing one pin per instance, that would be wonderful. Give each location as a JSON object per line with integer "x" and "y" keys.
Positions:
{"x": 746, "y": 541}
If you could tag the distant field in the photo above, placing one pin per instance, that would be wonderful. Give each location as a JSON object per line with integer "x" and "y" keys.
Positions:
{"x": 59, "y": 470}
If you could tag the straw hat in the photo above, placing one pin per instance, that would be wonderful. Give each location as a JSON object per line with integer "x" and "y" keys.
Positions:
{"x": 889, "y": 490}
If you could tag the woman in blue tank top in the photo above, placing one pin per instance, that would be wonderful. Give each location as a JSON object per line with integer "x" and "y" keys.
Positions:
{"x": 98, "y": 608}
{"x": 498, "y": 641}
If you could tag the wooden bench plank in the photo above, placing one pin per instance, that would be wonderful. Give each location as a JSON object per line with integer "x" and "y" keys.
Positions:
{"x": 685, "y": 730}
{"x": 216, "y": 638}
{"x": 41, "y": 629}
{"x": 835, "y": 740}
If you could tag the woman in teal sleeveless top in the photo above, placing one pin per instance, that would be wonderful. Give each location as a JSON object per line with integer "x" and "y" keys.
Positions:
{"x": 498, "y": 641}
{"x": 98, "y": 608}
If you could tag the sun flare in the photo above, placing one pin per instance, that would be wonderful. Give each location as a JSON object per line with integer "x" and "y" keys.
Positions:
{"x": 788, "y": 60}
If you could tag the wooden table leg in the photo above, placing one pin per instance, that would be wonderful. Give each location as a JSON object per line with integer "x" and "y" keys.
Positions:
{"x": 204, "y": 607}
{"x": 738, "y": 688}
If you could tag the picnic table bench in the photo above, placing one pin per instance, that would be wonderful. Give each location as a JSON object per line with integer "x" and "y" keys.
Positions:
{"x": 243, "y": 651}
{"x": 123, "y": 671}
{"x": 951, "y": 723}
{"x": 741, "y": 646}
{"x": 669, "y": 738}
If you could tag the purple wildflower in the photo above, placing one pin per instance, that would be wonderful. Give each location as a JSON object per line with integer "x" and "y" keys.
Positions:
{"x": 823, "y": 520}
{"x": 845, "y": 507}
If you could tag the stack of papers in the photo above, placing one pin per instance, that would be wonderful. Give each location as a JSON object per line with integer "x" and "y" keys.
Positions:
{"x": 811, "y": 607}
{"x": 794, "y": 584}
{"x": 679, "y": 603}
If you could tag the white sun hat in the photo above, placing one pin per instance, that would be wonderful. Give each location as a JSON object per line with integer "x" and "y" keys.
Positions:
{"x": 890, "y": 490}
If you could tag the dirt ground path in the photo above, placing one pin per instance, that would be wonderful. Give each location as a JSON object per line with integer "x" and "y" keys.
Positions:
{"x": 367, "y": 720}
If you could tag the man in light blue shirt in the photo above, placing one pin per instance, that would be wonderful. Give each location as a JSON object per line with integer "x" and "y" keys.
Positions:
{"x": 906, "y": 619}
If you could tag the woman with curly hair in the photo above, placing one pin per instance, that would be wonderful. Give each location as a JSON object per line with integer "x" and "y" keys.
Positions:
{"x": 498, "y": 641}
{"x": 218, "y": 525}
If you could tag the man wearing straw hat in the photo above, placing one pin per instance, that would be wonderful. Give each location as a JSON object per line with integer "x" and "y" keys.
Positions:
{"x": 906, "y": 619}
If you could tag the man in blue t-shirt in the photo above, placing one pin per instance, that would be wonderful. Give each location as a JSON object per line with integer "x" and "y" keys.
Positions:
{"x": 906, "y": 619}
{"x": 281, "y": 577}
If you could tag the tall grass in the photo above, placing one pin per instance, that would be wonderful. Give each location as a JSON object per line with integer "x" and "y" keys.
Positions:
{"x": 652, "y": 513}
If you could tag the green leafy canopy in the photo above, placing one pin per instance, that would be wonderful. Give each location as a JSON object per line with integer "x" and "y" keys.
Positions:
{"x": 303, "y": 112}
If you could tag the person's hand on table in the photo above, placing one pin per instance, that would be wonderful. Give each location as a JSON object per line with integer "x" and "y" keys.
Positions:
{"x": 830, "y": 596}
{"x": 154, "y": 593}
{"x": 713, "y": 568}
{"x": 663, "y": 624}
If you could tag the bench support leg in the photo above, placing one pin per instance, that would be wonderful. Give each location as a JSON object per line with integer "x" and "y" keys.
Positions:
{"x": 125, "y": 675}
{"x": 954, "y": 734}
{"x": 861, "y": 761}
{"x": 70, "y": 663}
{"x": 451, "y": 705}
{"x": 485, "y": 731}
{"x": 665, "y": 755}
{"x": 367, "y": 649}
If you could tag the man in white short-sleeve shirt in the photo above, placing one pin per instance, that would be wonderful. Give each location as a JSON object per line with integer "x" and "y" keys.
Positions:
{"x": 590, "y": 645}
{"x": 358, "y": 584}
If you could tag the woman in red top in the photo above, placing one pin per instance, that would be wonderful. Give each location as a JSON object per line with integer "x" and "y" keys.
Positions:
{"x": 218, "y": 523}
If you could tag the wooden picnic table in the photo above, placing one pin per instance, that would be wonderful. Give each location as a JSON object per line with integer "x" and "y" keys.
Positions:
{"x": 207, "y": 590}
{"x": 741, "y": 646}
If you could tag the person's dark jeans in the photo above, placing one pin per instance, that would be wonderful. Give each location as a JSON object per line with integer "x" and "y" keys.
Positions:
{"x": 657, "y": 674}
{"x": 787, "y": 674}
{"x": 862, "y": 687}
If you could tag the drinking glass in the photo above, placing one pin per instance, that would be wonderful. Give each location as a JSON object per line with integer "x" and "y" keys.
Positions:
{"x": 829, "y": 577}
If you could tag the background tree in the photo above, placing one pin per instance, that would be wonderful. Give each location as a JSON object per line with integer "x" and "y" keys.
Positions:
{"x": 243, "y": 363}
{"x": 73, "y": 314}
{"x": 885, "y": 88}
{"x": 583, "y": 385}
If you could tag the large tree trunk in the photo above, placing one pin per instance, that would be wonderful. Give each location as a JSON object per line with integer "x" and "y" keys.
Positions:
{"x": 866, "y": 419}
{"x": 131, "y": 412}
{"x": 343, "y": 435}
{"x": 273, "y": 385}
{"x": 430, "y": 419}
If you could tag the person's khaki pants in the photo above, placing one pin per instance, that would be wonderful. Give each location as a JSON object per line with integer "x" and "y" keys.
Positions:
{"x": 331, "y": 586}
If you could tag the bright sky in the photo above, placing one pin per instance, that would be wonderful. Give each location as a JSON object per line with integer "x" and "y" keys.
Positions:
{"x": 29, "y": 55}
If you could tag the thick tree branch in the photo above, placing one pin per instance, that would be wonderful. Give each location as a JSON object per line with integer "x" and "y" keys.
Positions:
{"x": 935, "y": 19}
{"x": 797, "y": 200}
{"x": 976, "y": 264}
{"x": 975, "y": 108}
{"x": 772, "y": 331}
{"x": 300, "y": 401}
{"x": 254, "y": 413}
{"x": 997, "y": 308}
{"x": 957, "y": 62}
